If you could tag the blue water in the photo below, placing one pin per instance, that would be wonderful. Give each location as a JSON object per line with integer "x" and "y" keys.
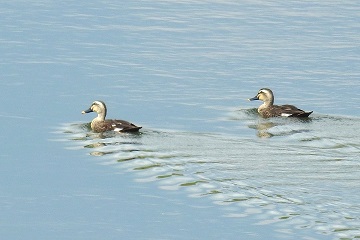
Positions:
{"x": 205, "y": 165}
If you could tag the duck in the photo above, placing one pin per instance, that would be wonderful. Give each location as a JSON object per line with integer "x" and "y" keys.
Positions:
{"x": 100, "y": 124}
{"x": 268, "y": 109}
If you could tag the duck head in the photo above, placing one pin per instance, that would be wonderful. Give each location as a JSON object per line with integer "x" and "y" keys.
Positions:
{"x": 99, "y": 107}
{"x": 265, "y": 95}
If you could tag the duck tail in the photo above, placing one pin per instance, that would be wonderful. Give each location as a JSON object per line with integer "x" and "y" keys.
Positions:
{"x": 302, "y": 114}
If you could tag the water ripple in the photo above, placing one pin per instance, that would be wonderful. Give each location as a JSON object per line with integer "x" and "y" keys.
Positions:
{"x": 298, "y": 180}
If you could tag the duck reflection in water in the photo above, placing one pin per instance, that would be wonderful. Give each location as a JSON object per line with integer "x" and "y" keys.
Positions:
{"x": 262, "y": 129}
{"x": 267, "y": 128}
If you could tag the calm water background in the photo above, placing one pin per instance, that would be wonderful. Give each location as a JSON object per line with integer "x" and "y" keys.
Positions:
{"x": 205, "y": 165}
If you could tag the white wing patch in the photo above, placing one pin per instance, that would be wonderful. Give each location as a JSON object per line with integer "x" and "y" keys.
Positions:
{"x": 116, "y": 128}
{"x": 286, "y": 114}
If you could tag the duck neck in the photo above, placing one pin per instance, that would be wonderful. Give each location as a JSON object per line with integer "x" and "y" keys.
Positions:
{"x": 268, "y": 103}
{"x": 99, "y": 118}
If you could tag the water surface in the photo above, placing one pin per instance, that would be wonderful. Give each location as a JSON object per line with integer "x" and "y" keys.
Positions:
{"x": 204, "y": 166}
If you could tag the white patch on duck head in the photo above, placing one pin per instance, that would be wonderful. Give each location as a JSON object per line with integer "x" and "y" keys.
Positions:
{"x": 265, "y": 91}
{"x": 99, "y": 103}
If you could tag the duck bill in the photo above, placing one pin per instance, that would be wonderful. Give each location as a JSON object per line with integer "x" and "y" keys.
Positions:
{"x": 254, "y": 98}
{"x": 87, "y": 111}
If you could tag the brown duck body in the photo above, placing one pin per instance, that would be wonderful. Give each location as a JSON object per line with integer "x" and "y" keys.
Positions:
{"x": 282, "y": 111}
{"x": 114, "y": 125}
{"x": 99, "y": 124}
{"x": 268, "y": 109}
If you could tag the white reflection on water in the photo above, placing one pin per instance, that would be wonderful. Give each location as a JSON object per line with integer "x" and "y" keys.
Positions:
{"x": 302, "y": 175}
